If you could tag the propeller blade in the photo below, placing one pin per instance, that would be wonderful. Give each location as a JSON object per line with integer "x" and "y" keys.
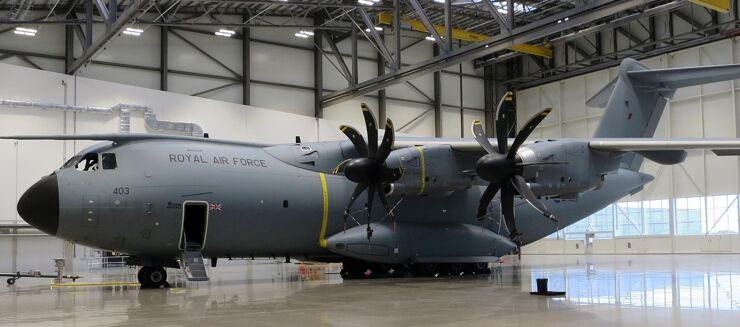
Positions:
{"x": 355, "y": 194}
{"x": 507, "y": 207}
{"x": 488, "y": 195}
{"x": 356, "y": 139}
{"x": 370, "y": 198}
{"x": 502, "y": 130}
{"x": 389, "y": 137}
{"x": 390, "y": 174}
{"x": 521, "y": 185}
{"x": 340, "y": 167}
{"x": 372, "y": 131}
{"x": 523, "y": 134}
{"x": 480, "y": 136}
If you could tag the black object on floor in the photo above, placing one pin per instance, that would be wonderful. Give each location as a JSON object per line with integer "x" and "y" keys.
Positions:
{"x": 542, "y": 289}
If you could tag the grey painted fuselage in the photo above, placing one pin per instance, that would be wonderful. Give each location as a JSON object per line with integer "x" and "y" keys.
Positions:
{"x": 260, "y": 205}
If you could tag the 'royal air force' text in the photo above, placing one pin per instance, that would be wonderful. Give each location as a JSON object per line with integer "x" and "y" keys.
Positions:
{"x": 222, "y": 161}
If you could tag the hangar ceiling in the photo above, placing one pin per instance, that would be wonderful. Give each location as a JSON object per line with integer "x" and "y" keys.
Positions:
{"x": 522, "y": 43}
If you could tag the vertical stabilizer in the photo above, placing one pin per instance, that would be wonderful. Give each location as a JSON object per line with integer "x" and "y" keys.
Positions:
{"x": 639, "y": 95}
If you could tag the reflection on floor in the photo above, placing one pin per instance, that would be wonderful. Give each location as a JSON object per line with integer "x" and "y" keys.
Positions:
{"x": 655, "y": 290}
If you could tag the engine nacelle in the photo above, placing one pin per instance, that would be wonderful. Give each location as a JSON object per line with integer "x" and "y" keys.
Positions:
{"x": 581, "y": 171}
{"x": 429, "y": 170}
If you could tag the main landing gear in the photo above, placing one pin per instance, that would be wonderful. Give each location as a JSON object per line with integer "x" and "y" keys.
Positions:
{"x": 356, "y": 269}
{"x": 152, "y": 277}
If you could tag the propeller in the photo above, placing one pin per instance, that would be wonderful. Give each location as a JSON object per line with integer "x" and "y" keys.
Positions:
{"x": 369, "y": 170}
{"x": 502, "y": 168}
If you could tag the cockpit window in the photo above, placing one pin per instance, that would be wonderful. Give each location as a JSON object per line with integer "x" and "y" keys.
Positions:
{"x": 71, "y": 162}
{"x": 88, "y": 163}
{"x": 109, "y": 161}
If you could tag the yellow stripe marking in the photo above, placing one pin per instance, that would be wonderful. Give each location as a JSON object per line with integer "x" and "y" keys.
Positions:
{"x": 325, "y": 218}
{"x": 423, "y": 169}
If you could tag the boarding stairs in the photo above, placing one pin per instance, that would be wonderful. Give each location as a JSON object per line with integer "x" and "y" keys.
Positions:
{"x": 192, "y": 263}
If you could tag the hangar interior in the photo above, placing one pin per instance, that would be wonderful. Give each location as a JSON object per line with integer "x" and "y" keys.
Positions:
{"x": 268, "y": 71}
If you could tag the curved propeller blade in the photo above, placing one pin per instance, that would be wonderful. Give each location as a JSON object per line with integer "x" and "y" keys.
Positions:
{"x": 488, "y": 195}
{"x": 521, "y": 185}
{"x": 502, "y": 130}
{"x": 340, "y": 167}
{"x": 372, "y": 131}
{"x": 356, "y": 139}
{"x": 355, "y": 194}
{"x": 480, "y": 136}
{"x": 523, "y": 134}
{"x": 389, "y": 137}
{"x": 507, "y": 207}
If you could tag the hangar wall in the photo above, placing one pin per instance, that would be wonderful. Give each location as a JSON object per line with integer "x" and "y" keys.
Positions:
{"x": 689, "y": 208}
{"x": 281, "y": 69}
{"x": 25, "y": 162}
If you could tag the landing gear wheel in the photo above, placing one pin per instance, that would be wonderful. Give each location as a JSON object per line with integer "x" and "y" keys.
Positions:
{"x": 477, "y": 268}
{"x": 152, "y": 277}
{"x": 10, "y": 281}
{"x": 426, "y": 269}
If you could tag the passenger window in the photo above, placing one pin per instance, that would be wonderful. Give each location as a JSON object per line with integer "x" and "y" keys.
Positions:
{"x": 109, "y": 161}
{"x": 88, "y": 163}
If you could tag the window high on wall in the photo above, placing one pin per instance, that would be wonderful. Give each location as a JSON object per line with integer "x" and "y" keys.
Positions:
{"x": 709, "y": 215}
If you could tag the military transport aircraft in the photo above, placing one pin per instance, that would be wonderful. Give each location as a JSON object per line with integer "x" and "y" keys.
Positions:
{"x": 170, "y": 201}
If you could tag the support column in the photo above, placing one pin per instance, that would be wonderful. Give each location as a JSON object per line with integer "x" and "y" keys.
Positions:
{"x": 381, "y": 93}
{"x": 69, "y": 42}
{"x": 318, "y": 60}
{"x": 489, "y": 101}
{"x": 246, "y": 61}
{"x": 437, "y": 97}
{"x": 164, "y": 32}
{"x": 397, "y": 31}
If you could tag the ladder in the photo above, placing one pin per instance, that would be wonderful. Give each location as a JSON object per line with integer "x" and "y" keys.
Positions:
{"x": 192, "y": 263}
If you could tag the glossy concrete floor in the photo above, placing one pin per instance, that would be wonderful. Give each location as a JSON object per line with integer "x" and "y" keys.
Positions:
{"x": 641, "y": 290}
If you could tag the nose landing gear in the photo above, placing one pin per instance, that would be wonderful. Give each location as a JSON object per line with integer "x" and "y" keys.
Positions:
{"x": 152, "y": 277}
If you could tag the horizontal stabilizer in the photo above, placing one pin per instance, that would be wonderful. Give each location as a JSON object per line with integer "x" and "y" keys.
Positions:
{"x": 683, "y": 77}
{"x": 652, "y": 144}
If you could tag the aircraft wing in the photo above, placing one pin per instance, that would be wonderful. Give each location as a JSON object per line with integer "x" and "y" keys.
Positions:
{"x": 721, "y": 147}
{"x": 121, "y": 138}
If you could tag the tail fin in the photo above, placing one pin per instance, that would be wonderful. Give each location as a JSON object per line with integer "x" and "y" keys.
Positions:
{"x": 637, "y": 97}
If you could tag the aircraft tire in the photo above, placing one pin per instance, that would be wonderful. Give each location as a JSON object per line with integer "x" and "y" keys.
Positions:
{"x": 11, "y": 281}
{"x": 152, "y": 277}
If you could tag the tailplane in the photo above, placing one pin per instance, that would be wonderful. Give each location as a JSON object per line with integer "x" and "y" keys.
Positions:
{"x": 635, "y": 100}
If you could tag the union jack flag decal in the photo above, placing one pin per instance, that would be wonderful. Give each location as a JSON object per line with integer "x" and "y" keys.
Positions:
{"x": 215, "y": 207}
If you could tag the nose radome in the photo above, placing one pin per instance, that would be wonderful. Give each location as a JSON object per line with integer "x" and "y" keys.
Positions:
{"x": 39, "y": 205}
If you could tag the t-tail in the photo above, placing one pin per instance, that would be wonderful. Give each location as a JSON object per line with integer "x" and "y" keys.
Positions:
{"x": 635, "y": 100}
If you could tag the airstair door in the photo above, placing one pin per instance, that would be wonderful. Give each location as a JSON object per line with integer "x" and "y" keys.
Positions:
{"x": 193, "y": 239}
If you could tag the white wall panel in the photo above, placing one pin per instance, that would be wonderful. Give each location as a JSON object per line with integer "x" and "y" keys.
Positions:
{"x": 283, "y": 65}
{"x": 282, "y": 98}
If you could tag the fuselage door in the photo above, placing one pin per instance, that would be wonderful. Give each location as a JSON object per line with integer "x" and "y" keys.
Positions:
{"x": 194, "y": 225}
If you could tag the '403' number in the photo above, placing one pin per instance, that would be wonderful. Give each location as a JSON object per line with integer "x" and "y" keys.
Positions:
{"x": 121, "y": 190}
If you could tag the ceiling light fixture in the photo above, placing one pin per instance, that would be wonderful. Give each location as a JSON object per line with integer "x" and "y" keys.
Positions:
{"x": 225, "y": 32}
{"x": 133, "y": 31}
{"x": 25, "y": 31}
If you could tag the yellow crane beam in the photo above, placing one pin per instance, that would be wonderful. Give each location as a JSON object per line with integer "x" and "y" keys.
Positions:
{"x": 458, "y": 34}
{"x": 718, "y": 5}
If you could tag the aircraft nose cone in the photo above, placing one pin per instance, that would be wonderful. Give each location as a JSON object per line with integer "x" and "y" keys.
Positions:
{"x": 39, "y": 206}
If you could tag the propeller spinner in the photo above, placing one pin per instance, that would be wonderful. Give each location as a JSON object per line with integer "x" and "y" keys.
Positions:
{"x": 502, "y": 168}
{"x": 369, "y": 170}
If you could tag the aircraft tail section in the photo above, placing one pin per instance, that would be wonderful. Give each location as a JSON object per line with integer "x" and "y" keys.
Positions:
{"x": 635, "y": 100}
